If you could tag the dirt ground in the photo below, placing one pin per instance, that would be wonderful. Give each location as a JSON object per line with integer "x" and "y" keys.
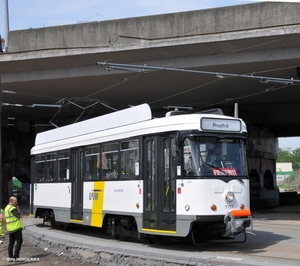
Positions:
{"x": 33, "y": 255}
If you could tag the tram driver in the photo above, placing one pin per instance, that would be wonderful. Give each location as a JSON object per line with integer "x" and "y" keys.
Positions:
{"x": 217, "y": 158}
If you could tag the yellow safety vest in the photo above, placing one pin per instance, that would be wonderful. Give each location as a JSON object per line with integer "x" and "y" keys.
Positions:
{"x": 1, "y": 221}
{"x": 13, "y": 223}
{"x": 213, "y": 158}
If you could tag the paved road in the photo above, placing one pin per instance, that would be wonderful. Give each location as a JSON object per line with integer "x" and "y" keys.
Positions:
{"x": 276, "y": 242}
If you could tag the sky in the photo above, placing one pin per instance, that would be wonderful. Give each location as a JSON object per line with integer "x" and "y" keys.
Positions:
{"x": 26, "y": 14}
{"x": 289, "y": 144}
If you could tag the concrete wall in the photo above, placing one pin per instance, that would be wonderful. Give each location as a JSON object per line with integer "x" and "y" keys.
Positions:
{"x": 284, "y": 167}
{"x": 262, "y": 152}
{"x": 141, "y": 30}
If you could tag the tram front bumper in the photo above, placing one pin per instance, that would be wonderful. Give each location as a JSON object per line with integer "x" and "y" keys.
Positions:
{"x": 237, "y": 221}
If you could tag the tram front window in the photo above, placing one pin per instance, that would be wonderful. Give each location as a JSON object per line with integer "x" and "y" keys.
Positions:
{"x": 212, "y": 156}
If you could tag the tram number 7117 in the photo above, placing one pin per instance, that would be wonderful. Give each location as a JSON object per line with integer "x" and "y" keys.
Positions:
{"x": 228, "y": 206}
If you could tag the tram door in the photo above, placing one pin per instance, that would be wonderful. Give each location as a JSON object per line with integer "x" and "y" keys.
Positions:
{"x": 159, "y": 173}
{"x": 77, "y": 184}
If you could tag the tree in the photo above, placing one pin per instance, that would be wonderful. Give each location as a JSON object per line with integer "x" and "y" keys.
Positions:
{"x": 283, "y": 156}
{"x": 295, "y": 159}
{"x": 289, "y": 156}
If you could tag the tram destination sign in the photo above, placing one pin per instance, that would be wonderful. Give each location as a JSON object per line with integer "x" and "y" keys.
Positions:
{"x": 221, "y": 124}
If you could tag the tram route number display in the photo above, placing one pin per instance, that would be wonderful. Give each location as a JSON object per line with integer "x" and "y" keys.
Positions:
{"x": 224, "y": 171}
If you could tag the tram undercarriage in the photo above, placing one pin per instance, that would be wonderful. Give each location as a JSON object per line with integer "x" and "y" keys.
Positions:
{"x": 228, "y": 229}
{"x": 122, "y": 227}
{"x": 125, "y": 227}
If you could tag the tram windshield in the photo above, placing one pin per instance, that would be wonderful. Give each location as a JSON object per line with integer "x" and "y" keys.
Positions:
{"x": 214, "y": 156}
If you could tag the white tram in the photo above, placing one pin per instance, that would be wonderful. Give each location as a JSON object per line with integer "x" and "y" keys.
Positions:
{"x": 142, "y": 177}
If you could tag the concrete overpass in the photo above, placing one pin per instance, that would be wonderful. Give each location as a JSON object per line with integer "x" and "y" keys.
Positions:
{"x": 46, "y": 65}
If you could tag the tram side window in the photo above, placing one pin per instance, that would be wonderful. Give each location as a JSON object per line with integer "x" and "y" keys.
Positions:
{"x": 130, "y": 159}
{"x": 39, "y": 168}
{"x": 110, "y": 161}
{"x": 150, "y": 188}
{"x": 63, "y": 165}
{"x": 51, "y": 167}
{"x": 169, "y": 185}
{"x": 189, "y": 164}
{"x": 92, "y": 163}
{"x": 166, "y": 183}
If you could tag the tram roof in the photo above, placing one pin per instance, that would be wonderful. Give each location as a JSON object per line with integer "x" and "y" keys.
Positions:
{"x": 117, "y": 119}
{"x": 127, "y": 123}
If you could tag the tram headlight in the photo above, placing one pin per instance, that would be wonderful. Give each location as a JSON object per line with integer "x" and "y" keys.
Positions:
{"x": 187, "y": 207}
{"x": 229, "y": 196}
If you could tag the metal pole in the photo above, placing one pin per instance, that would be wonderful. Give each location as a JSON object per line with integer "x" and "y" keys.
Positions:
{"x": 6, "y": 24}
{"x": 143, "y": 68}
{"x": 236, "y": 110}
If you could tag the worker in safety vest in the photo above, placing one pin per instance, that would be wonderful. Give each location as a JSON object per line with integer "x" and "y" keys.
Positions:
{"x": 217, "y": 157}
{"x": 14, "y": 228}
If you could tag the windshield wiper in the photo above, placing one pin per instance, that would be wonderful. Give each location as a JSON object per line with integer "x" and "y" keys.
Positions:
{"x": 239, "y": 179}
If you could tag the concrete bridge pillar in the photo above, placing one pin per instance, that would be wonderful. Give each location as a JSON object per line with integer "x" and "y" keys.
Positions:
{"x": 262, "y": 149}
{"x": 16, "y": 147}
